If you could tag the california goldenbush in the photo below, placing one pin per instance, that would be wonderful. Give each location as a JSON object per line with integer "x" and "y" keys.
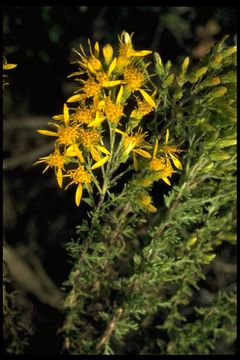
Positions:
{"x": 136, "y": 259}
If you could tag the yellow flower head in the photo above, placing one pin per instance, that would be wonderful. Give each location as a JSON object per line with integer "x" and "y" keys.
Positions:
{"x": 133, "y": 77}
{"x": 163, "y": 173}
{"x": 79, "y": 176}
{"x": 130, "y": 142}
{"x": 126, "y": 48}
{"x": 88, "y": 138}
{"x": 157, "y": 164}
{"x": 91, "y": 87}
{"x": 134, "y": 144}
{"x": 56, "y": 160}
{"x": 113, "y": 111}
{"x": 170, "y": 151}
{"x": 134, "y": 80}
{"x": 144, "y": 200}
{"x": 84, "y": 114}
{"x": 67, "y": 135}
{"x": 143, "y": 108}
{"x": 127, "y": 52}
{"x": 89, "y": 62}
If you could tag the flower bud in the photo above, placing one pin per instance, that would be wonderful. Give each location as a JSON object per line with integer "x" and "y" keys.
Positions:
{"x": 228, "y": 52}
{"x": 158, "y": 64}
{"x": 107, "y": 53}
{"x": 185, "y": 64}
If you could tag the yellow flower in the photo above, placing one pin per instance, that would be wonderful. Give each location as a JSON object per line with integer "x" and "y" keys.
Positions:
{"x": 67, "y": 134}
{"x": 55, "y": 160}
{"x": 134, "y": 143}
{"x": 126, "y": 48}
{"x": 161, "y": 165}
{"x": 88, "y": 62}
{"x": 135, "y": 80}
{"x": 114, "y": 110}
{"x": 127, "y": 52}
{"x": 143, "y": 108}
{"x": 144, "y": 200}
{"x": 84, "y": 114}
{"x": 98, "y": 77}
{"x": 80, "y": 177}
{"x": 133, "y": 77}
{"x": 89, "y": 140}
{"x": 170, "y": 151}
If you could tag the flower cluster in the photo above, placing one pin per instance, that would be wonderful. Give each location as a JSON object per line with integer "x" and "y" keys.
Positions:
{"x": 106, "y": 82}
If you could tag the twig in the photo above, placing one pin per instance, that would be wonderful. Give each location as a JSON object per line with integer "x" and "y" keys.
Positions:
{"x": 109, "y": 330}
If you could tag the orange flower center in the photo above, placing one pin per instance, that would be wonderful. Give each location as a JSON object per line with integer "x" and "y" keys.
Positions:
{"x": 55, "y": 160}
{"x": 80, "y": 175}
{"x": 113, "y": 111}
{"x": 67, "y": 136}
{"x": 143, "y": 107}
{"x": 130, "y": 142}
{"x": 88, "y": 138}
{"x": 91, "y": 87}
{"x": 134, "y": 78}
{"x": 84, "y": 115}
{"x": 158, "y": 164}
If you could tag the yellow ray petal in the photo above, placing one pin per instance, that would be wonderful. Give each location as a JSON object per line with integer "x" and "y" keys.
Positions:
{"x": 141, "y": 53}
{"x": 70, "y": 151}
{"x": 100, "y": 163}
{"x": 167, "y": 136}
{"x": 9, "y": 66}
{"x": 96, "y": 49}
{"x": 112, "y": 66}
{"x": 119, "y": 97}
{"x": 59, "y": 177}
{"x": 148, "y": 98}
{"x": 155, "y": 148}
{"x": 74, "y": 98}
{"x": 97, "y": 121}
{"x": 95, "y": 154}
{"x": 58, "y": 117}
{"x": 121, "y": 132}
{"x": 78, "y": 153}
{"x": 166, "y": 180}
{"x": 176, "y": 162}
{"x": 142, "y": 153}
{"x": 78, "y": 194}
{"x": 111, "y": 83}
{"x": 134, "y": 114}
{"x": 102, "y": 149}
{"x": 66, "y": 114}
{"x": 47, "y": 132}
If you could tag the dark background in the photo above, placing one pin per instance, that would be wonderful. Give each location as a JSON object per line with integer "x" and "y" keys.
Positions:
{"x": 37, "y": 215}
